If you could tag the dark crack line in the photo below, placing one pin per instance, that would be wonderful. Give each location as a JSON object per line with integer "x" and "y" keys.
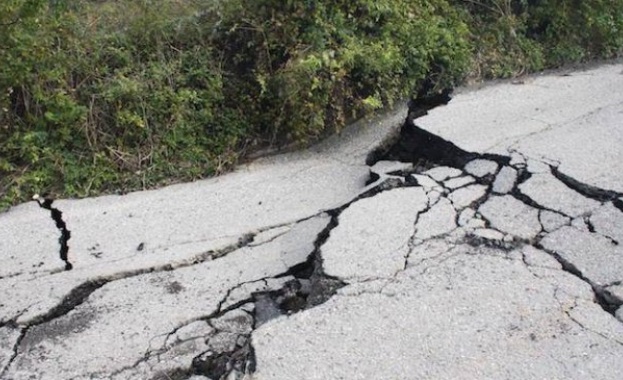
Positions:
{"x": 517, "y": 194}
{"x": 415, "y": 144}
{"x": 568, "y": 313}
{"x": 13, "y": 321}
{"x": 306, "y": 270}
{"x": 323, "y": 286}
{"x": 412, "y": 239}
{"x": 81, "y": 293}
{"x": 219, "y": 312}
{"x": 542, "y": 223}
{"x": 586, "y": 190}
{"x": 15, "y": 353}
{"x": 599, "y": 291}
{"x": 57, "y": 217}
{"x": 580, "y": 324}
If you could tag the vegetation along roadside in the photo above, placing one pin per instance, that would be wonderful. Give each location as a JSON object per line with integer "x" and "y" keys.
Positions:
{"x": 109, "y": 96}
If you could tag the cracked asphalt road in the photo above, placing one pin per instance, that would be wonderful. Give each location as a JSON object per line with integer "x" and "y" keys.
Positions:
{"x": 314, "y": 265}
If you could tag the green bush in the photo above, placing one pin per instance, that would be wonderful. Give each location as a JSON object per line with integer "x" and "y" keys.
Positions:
{"x": 501, "y": 46}
{"x": 309, "y": 66}
{"x": 573, "y": 31}
{"x": 109, "y": 97}
{"x": 512, "y": 37}
{"x": 112, "y": 96}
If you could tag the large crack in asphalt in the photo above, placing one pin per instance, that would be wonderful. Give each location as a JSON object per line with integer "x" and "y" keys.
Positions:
{"x": 586, "y": 190}
{"x": 78, "y": 295}
{"x": 311, "y": 286}
{"x": 308, "y": 287}
{"x": 57, "y": 217}
{"x": 602, "y": 297}
{"x": 425, "y": 149}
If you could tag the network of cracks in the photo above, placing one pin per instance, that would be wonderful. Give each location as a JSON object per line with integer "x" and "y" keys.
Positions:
{"x": 482, "y": 201}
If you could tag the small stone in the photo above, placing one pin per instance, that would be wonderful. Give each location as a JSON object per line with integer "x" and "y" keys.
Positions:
{"x": 439, "y": 220}
{"x": 426, "y": 182}
{"x": 579, "y": 224}
{"x": 265, "y": 309}
{"x": 465, "y": 196}
{"x": 538, "y": 167}
{"x": 505, "y": 180}
{"x": 455, "y": 183}
{"x": 510, "y": 215}
{"x": 552, "y": 221}
{"x": 442, "y": 173}
{"x": 489, "y": 234}
{"x": 517, "y": 160}
{"x": 549, "y": 192}
{"x": 476, "y": 223}
{"x": 481, "y": 168}
{"x": 465, "y": 216}
{"x": 385, "y": 167}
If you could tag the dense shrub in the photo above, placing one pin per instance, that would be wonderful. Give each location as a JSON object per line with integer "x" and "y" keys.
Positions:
{"x": 109, "y": 96}
{"x": 105, "y": 96}
{"x": 501, "y": 45}
{"x": 309, "y": 65}
{"x": 577, "y": 30}
{"x": 512, "y": 37}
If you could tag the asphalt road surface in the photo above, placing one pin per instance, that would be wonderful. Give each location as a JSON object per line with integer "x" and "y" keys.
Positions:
{"x": 502, "y": 259}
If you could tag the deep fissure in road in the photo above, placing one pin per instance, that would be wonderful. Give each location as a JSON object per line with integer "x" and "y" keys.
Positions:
{"x": 57, "y": 217}
{"x": 424, "y": 149}
{"x": 311, "y": 286}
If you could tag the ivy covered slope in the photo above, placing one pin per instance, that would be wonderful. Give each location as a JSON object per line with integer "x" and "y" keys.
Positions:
{"x": 112, "y": 96}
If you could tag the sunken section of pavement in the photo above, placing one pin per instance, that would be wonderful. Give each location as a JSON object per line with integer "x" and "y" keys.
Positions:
{"x": 314, "y": 265}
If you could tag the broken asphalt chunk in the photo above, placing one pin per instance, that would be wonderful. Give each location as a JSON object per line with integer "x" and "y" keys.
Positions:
{"x": 371, "y": 239}
{"x": 481, "y": 167}
{"x": 511, "y": 216}
{"x": 505, "y": 180}
{"x": 465, "y": 196}
{"x": 547, "y": 191}
{"x": 440, "y": 219}
{"x": 595, "y": 257}
{"x": 442, "y": 173}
